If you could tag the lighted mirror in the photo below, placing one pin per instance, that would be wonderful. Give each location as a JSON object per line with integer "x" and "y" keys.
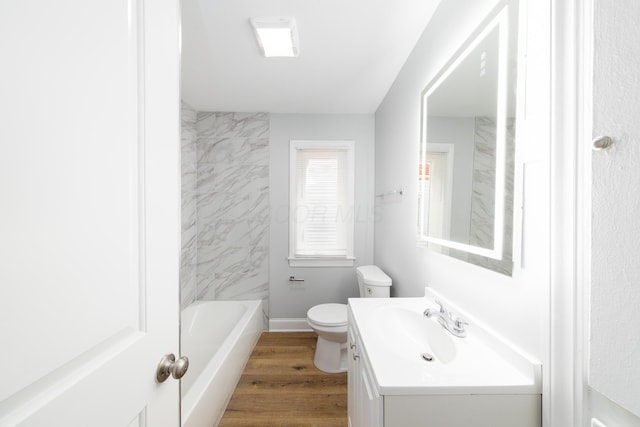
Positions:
{"x": 466, "y": 170}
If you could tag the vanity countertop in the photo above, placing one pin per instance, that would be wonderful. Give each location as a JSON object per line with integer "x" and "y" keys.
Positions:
{"x": 396, "y": 335}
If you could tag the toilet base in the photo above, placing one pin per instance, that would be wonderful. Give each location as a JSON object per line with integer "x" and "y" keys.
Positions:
{"x": 331, "y": 356}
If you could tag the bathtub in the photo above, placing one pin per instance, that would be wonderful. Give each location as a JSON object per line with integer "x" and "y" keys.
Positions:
{"x": 217, "y": 337}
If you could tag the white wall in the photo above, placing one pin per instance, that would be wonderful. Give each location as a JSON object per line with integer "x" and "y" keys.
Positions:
{"x": 516, "y": 307}
{"x": 614, "y": 365}
{"x": 321, "y": 285}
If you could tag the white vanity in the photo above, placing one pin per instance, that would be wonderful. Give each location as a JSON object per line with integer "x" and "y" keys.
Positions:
{"x": 406, "y": 370}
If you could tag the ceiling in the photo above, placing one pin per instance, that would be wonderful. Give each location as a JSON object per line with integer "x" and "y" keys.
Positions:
{"x": 350, "y": 54}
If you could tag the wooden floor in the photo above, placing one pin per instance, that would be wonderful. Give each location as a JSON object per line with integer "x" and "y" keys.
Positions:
{"x": 281, "y": 387}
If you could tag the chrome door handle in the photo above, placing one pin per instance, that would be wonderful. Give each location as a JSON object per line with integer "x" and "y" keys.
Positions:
{"x": 170, "y": 366}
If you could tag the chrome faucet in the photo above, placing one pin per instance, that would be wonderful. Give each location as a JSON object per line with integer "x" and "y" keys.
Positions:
{"x": 446, "y": 319}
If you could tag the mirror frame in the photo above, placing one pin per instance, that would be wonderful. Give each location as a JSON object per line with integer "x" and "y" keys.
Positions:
{"x": 500, "y": 20}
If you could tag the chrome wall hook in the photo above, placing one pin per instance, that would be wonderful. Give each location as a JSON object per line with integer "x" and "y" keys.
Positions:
{"x": 601, "y": 143}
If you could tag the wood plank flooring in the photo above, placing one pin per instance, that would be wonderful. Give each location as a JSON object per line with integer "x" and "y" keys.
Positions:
{"x": 280, "y": 386}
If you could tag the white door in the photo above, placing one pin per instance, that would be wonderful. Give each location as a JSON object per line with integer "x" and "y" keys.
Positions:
{"x": 614, "y": 341}
{"x": 89, "y": 211}
{"x": 438, "y": 212}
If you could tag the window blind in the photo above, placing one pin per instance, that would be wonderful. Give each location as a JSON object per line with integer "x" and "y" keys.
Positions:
{"x": 321, "y": 203}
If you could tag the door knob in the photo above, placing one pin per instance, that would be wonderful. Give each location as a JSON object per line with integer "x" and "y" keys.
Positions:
{"x": 170, "y": 366}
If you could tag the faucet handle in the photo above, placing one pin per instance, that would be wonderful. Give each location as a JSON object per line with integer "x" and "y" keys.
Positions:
{"x": 443, "y": 310}
{"x": 460, "y": 323}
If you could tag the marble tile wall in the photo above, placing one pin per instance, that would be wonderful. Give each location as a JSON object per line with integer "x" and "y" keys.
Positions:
{"x": 188, "y": 255}
{"x": 232, "y": 204}
{"x": 225, "y": 206}
{"x": 483, "y": 182}
{"x": 482, "y": 199}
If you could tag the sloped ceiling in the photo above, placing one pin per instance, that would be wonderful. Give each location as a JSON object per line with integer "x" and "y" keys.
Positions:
{"x": 350, "y": 54}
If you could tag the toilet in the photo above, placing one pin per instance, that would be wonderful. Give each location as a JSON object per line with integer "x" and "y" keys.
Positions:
{"x": 329, "y": 321}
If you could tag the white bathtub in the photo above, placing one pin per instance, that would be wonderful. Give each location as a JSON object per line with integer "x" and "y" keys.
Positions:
{"x": 217, "y": 337}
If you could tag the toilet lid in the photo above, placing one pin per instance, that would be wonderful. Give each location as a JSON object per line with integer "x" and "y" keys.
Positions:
{"x": 328, "y": 314}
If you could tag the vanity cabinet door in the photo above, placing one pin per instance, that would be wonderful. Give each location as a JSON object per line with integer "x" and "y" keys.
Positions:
{"x": 371, "y": 409}
{"x": 365, "y": 404}
{"x": 353, "y": 380}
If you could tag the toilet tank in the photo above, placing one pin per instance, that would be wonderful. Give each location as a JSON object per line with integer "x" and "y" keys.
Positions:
{"x": 373, "y": 282}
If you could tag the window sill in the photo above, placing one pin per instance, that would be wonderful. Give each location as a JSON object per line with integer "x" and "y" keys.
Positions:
{"x": 321, "y": 262}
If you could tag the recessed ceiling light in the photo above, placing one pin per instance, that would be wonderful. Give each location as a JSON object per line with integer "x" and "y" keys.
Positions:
{"x": 277, "y": 36}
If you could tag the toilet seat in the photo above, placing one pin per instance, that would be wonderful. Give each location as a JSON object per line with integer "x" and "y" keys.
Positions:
{"x": 331, "y": 315}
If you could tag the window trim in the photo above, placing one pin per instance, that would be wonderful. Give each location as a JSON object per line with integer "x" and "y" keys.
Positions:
{"x": 322, "y": 261}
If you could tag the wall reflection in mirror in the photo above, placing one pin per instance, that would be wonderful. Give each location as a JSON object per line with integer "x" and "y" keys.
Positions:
{"x": 467, "y": 150}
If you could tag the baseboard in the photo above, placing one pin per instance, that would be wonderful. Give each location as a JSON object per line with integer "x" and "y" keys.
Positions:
{"x": 289, "y": 325}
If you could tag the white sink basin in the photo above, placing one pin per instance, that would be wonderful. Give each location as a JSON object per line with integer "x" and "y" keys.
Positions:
{"x": 395, "y": 335}
{"x": 410, "y": 334}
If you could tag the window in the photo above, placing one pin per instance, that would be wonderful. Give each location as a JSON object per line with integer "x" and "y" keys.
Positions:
{"x": 321, "y": 211}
